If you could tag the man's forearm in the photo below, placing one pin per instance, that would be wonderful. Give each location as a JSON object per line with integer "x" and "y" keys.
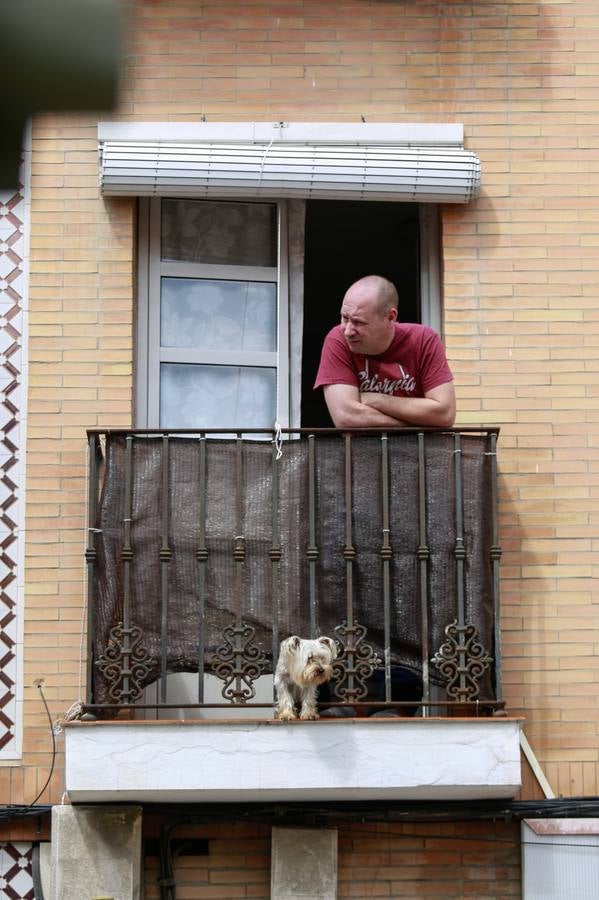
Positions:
{"x": 410, "y": 410}
{"x": 358, "y": 415}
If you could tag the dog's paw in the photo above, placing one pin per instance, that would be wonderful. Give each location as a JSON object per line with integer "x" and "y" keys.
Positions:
{"x": 285, "y": 715}
{"x": 309, "y": 714}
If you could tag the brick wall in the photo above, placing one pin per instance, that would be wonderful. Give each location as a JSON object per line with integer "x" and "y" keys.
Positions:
{"x": 521, "y": 284}
{"x": 80, "y": 359}
{"x": 428, "y": 861}
{"x": 237, "y": 863}
{"x": 416, "y": 861}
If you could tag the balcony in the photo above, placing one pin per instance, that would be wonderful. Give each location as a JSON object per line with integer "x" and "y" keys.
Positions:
{"x": 206, "y": 550}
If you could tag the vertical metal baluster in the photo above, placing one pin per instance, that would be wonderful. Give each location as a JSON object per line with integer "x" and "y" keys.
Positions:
{"x": 238, "y": 558}
{"x": 386, "y": 556}
{"x": 423, "y": 553}
{"x": 460, "y": 555}
{"x": 359, "y": 659}
{"x": 239, "y": 545}
{"x": 461, "y": 659}
{"x": 202, "y": 557}
{"x": 312, "y": 550}
{"x": 275, "y": 556}
{"x": 495, "y": 555}
{"x": 90, "y": 552}
{"x": 349, "y": 554}
{"x": 240, "y": 660}
{"x": 127, "y": 557}
{"x": 165, "y": 556}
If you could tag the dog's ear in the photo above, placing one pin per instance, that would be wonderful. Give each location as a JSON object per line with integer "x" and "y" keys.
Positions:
{"x": 331, "y": 644}
{"x": 293, "y": 642}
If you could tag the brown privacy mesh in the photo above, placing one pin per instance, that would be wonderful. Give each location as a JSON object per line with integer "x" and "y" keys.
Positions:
{"x": 224, "y": 494}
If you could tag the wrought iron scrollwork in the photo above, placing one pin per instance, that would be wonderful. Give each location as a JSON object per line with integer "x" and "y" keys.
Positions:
{"x": 462, "y": 661}
{"x": 239, "y": 663}
{"x": 125, "y": 664}
{"x": 355, "y": 664}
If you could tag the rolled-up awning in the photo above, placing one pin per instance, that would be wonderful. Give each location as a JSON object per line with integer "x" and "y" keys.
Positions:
{"x": 379, "y": 162}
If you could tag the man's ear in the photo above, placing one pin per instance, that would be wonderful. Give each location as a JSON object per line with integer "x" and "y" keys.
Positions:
{"x": 392, "y": 314}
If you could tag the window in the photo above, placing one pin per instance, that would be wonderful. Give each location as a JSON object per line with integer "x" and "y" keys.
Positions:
{"x": 215, "y": 320}
{"x": 345, "y": 240}
{"x": 236, "y": 297}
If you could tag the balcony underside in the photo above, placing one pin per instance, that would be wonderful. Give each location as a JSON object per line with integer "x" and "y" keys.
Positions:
{"x": 326, "y": 760}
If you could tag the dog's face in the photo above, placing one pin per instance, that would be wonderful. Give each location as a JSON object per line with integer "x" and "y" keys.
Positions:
{"x": 309, "y": 662}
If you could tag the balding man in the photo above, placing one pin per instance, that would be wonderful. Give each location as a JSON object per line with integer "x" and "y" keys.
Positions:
{"x": 378, "y": 372}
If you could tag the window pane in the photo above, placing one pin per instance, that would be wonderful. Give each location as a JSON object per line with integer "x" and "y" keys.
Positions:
{"x": 218, "y": 315}
{"x": 220, "y": 233}
{"x": 216, "y": 396}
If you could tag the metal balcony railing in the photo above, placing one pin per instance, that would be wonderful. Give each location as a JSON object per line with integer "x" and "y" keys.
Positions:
{"x": 206, "y": 549}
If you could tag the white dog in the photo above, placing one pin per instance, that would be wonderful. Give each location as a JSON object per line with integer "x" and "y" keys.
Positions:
{"x": 303, "y": 665}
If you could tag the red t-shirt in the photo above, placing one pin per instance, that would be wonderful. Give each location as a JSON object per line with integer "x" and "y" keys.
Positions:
{"x": 413, "y": 364}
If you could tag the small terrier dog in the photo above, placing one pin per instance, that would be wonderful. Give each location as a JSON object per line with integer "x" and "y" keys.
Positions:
{"x": 302, "y": 666}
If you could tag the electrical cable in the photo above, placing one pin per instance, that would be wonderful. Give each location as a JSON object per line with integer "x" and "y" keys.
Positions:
{"x": 36, "y": 873}
{"x": 374, "y": 811}
{"x": 388, "y": 811}
{"x": 17, "y": 811}
{"x": 10, "y": 812}
{"x": 39, "y": 684}
{"x": 167, "y": 857}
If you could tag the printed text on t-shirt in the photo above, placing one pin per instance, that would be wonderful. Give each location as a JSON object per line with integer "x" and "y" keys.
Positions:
{"x": 373, "y": 383}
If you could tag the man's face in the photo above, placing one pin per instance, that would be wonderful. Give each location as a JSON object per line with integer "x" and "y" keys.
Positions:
{"x": 365, "y": 328}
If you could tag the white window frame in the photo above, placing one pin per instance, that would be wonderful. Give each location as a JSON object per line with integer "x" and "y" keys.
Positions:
{"x": 150, "y": 354}
{"x": 430, "y": 266}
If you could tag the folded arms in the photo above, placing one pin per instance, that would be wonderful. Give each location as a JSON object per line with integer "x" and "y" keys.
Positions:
{"x": 349, "y": 408}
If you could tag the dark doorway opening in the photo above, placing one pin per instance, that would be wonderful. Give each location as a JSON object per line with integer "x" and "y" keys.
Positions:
{"x": 346, "y": 240}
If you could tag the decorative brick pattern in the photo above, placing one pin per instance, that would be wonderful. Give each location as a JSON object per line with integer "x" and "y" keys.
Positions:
{"x": 13, "y": 290}
{"x": 16, "y": 881}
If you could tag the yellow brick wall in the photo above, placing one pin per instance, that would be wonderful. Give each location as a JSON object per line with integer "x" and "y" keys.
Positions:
{"x": 80, "y": 371}
{"x": 520, "y": 283}
{"x": 418, "y": 861}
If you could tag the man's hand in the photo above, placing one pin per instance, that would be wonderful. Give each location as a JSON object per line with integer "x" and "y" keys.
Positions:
{"x": 372, "y": 400}
{"x": 346, "y": 410}
{"x": 350, "y": 409}
{"x": 436, "y": 408}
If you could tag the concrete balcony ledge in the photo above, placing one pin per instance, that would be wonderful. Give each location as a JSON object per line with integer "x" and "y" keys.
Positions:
{"x": 257, "y": 760}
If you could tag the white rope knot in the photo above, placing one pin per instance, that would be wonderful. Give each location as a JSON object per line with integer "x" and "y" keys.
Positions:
{"x": 278, "y": 440}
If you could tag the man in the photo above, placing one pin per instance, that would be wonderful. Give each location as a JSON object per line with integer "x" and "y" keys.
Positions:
{"x": 377, "y": 372}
